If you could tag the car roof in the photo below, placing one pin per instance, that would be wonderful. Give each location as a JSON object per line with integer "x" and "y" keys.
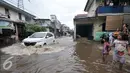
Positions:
{"x": 44, "y": 32}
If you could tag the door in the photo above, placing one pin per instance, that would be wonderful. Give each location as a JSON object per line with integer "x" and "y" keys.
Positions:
{"x": 103, "y": 26}
{"x": 49, "y": 38}
{"x": 85, "y": 30}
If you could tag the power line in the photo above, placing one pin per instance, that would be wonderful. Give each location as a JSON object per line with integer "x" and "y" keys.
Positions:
{"x": 11, "y": 1}
{"x": 15, "y": 4}
{"x": 20, "y": 4}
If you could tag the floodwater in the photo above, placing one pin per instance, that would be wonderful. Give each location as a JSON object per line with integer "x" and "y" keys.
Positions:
{"x": 82, "y": 56}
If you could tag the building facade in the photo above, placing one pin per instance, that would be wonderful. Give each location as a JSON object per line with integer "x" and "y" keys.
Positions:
{"x": 65, "y": 29}
{"x": 9, "y": 11}
{"x": 17, "y": 16}
{"x": 57, "y": 25}
{"x": 116, "y": 12}
{"x": 45, "y": 23}
{"x": 104, "y": 15}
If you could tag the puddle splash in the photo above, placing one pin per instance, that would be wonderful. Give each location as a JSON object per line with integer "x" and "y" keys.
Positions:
{"x": 17, "y": 50}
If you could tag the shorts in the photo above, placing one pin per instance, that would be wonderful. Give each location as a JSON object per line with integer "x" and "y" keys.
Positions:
{"x": 105, "y": 52}
{"x": 117, "y": 58}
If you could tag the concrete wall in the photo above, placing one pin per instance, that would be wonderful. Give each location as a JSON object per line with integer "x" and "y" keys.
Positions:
{"x": 2, "y": 10}
{"x": 43, "y": 22}
{"x": 29, "y": 20}
{"x": 98, "y": 21}
{"x": 97, "y": 27}
{"x": 58, "y": 24}
{"x": 13, "y": 14}
{"x": 65, "y": 28}
{"x": 23, "y": 17}
{"x": 93, "y": 7}
{"x": 48, "y": 22}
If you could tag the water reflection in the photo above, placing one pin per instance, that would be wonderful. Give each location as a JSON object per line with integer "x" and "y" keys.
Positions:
{"x": 90, "y": 56}
{"x": 83, "y": 57}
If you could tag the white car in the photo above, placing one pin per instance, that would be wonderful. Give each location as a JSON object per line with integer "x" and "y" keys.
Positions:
{"x": 39, "y": 39}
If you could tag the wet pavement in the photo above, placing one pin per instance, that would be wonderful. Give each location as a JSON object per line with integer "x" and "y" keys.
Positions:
{"x": 65, "y": 56}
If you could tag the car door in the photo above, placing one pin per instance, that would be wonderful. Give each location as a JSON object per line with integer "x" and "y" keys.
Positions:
{"x": 48, "y": 38}
{"x": 51, "y": 37}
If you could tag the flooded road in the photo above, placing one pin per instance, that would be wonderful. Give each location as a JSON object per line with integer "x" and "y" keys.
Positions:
{"x": 72, "y": 57}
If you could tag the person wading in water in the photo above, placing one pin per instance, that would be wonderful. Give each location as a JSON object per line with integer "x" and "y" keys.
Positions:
{"x": 121, "y": 46}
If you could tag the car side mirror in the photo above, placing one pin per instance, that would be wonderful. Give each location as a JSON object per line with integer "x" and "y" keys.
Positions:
{"x": 47, "y": 36}
{"x": 28, "y": 36}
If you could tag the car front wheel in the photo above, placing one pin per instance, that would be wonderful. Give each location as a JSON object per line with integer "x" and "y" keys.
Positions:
{"x": 53, "y": 41}
{"x": 44, "y": 44}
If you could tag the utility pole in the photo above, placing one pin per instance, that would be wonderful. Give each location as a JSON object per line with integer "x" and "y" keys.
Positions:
{"x": 20, "y": 4}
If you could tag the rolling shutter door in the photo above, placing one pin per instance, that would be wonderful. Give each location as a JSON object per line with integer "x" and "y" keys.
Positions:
{"x": 113, "y": 22}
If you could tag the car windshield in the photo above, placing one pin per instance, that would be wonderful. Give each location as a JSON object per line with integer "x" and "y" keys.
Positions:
{"x": 4, "y": 23}
{"x": 38, "y": 35}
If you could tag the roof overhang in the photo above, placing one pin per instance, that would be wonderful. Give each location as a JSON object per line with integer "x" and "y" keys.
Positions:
{"x": 43, "y": 19}
{"x": 5, "y": 19}
{"x": 19, "y": 22}
{"x": 80, "y": 16}
{"x": 87, "y": 20}
{"x": 7, "y": 5}
{"x": 88, "y": 5}
{"x": 9, "y": 20}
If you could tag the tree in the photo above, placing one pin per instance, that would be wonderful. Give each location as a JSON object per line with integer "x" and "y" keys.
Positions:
{"x": 31, "y": 28}
{"x": 35, "y": 28}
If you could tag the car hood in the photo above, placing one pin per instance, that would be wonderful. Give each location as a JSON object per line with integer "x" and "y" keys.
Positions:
{"x": 33, "y": 39}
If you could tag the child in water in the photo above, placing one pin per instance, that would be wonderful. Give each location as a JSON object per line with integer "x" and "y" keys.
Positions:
{"x": 106, "y": 49}
{"x": 120, "y": 49}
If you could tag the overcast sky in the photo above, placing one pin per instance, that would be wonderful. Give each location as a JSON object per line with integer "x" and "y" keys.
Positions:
{"x": 65, "y": 10}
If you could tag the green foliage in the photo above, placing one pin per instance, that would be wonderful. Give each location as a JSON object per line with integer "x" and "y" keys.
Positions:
{"x": 102, "y": 1}
{"x": 34, "y": 28}
{"x": 31, "y": 28}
